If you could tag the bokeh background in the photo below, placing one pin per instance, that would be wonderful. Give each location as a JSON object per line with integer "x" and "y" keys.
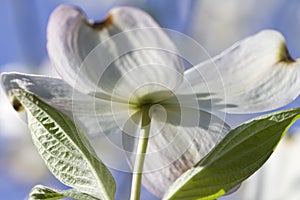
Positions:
{"x": 215, "y": 24}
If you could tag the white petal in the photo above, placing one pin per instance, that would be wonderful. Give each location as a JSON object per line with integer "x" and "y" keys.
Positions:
{"x": 101, "y": 119}
{"x": 124, "y": 54}
{"x": 257, "y": 74}
{"x": 52, "y": 90}
{"x": 174, "y": 146}
{"x": 93, "y": 114}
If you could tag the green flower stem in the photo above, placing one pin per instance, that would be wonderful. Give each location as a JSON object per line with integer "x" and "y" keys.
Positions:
{"x": 140, "y": 155}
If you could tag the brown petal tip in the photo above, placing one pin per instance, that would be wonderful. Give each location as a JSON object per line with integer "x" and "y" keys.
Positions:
{"x": 17, "y": 105}
{"x": 102, "y": 24}
{"x": 285, "y": 55}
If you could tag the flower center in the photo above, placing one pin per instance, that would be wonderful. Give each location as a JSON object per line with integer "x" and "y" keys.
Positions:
{"x": 161, "y": 105}
{"x": 149, "y": 94}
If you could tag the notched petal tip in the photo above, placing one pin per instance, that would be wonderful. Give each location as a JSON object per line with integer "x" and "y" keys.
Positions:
{"x": 285, "y": 56}
{"x": 120, "y": 12}
{"x": 63, "y": 12}
{"x": 100, "y": 25}
{"x": 16, "y": 104}
{"x": 70, "y": 11}
{"x": 13, "y": 99}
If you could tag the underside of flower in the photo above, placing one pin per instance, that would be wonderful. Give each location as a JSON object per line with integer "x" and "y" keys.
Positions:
{"x": 162, "y": 94}
{"x": 125, "y": 76}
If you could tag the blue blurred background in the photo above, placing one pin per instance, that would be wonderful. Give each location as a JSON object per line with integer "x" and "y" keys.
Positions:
{"x": 215, "y": 24}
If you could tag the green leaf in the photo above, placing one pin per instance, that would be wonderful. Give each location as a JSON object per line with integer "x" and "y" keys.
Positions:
{"x": 243, "y": 151}
{"x": 40, "y": 192}
{"x": 66, "y": 149}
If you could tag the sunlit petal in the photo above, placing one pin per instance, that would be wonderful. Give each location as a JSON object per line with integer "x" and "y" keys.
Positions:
{"x": 52, "y": 90}
{"x": 258, "y": 74}
{"x": 118, "y": 55}
{"x": 94, "y": 114}
{"x": 174, "y": 146}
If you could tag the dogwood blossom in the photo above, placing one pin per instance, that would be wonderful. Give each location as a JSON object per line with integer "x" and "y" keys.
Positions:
{"x": 116, "y": 70}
